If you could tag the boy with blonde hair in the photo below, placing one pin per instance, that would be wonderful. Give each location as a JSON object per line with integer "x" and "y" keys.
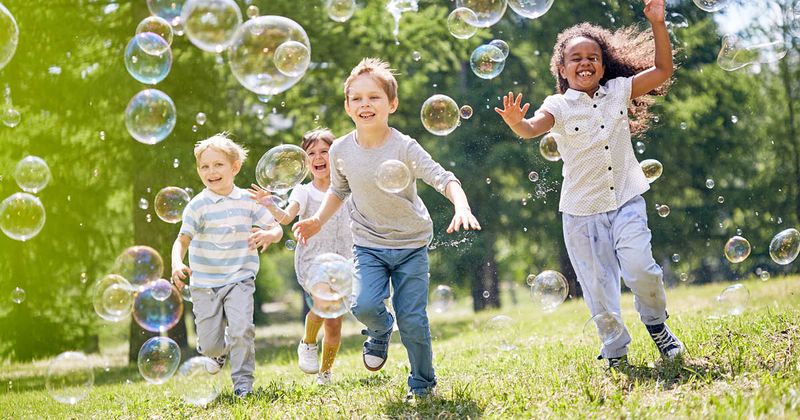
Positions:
{"x": 223, "y": 229}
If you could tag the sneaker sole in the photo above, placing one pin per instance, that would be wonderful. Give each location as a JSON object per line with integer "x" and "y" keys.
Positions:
{"x": 372, "y": 369}
{"x": 309, "y": 371}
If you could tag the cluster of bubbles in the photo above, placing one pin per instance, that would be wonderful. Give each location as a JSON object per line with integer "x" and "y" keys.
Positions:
{"x": 159, "y": 358}
{"x": 9, "y": 36}
{"x": 733, "y": 299}
{"x": 737, "y": 249}
{"x": 652, "y": 169}
{"x": 281, "y": 168}
{"x": 549, "y": 289}
{"x": 150, "y": 116}
{"x": 329, "y": 285}
{"x": 442, "y": 299}
{"x": 340, "y": 10}
{"x": 22, "y": 215}
{"x": 69, "y": 378}
{"x": 608, "y": 326}
{"x": 548, "y": 147}
{"x": 170, "y": 203}
{"x": 393, "y": 176}
{"x": 488, "y": 60}
{"x": 195, "y": 382}
{"x": 440, "y": 115}
{"x": 733, "y": 55}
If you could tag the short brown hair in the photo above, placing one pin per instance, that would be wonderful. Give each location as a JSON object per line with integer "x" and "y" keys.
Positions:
{"x": 319, "y": 134}
{"x": 380, "y": 71}
{"x": 221, "y": 142}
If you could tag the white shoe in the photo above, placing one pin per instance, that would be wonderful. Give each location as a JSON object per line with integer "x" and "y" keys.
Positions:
{"x": 324, "y": 378}
{"x": 214, "y": 364}
{"x": 307, "y": 357}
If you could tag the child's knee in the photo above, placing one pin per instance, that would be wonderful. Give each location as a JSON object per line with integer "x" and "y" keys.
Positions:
{"x": 366, "y": 308}
{"x": 414, "y": 326}
{"x": 241, "y": 333}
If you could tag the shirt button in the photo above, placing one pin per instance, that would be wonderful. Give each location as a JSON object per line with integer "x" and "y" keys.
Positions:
{"x": 606, "y": 147}
{"x": 594, "y": 106}
{"x": 576, "y": 128}
{"x": 612, "y": 188}
{"x": 609, "y": 168}
{"x": 602, "y": 126}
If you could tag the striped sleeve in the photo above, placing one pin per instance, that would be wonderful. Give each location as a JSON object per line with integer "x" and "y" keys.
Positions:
{"x": 191, "y": 220}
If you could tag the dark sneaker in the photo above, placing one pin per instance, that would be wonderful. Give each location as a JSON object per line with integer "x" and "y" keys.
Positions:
{"x": 376, "y": 350}
{"x": 419, "y": 394}
{"x": 669, "y": 345}
{"x": 241, "y": 392}
{"x": 618, "y": 363}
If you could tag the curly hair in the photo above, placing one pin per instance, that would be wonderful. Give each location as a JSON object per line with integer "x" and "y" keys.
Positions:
{"x": 626, "y": 51}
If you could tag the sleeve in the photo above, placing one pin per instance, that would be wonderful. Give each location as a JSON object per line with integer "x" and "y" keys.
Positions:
{"x": 339, "y": 187}
{"x": 300, "y": 196}
{"x": 191, "y": 222}
{"x": 261, "y": 217}
{"x": 622, "y": 87}
{"x": 424, "y": 167}
{"x": 551, "y": 105}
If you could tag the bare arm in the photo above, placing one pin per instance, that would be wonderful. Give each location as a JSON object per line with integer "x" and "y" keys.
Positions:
{"x": 463, "y": 216}
{"x": 662, "y": 70}
{"x": 306, "y": 228}
{"x": 513, "y": 114}
{"x": 179, "y": 270}
{"x": 264, "y": 197}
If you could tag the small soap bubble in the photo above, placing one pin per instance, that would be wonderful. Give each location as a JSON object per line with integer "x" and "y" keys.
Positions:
{"x": 549, "y": 289}
{"x": 466, "y": 112}
{"x": 150, "y": 116}
{"x": 22, "y": 216}
{"x": 737, "y": 249}
{"x": 143, "y": 203}
{"x": 548, "y": 147}
{"x": 170, "y": 203}
{"x": 442, "y": 299}
{"x": 733, "y": 299}
{"x": 486, "y": 294}
{"x": 340, "y": 10}
{"x": 684, "y": 125}
{"x": 393, "y": 176}
{"x": 176, "y": 163}
{"x": 533, "y": 176}
{"x": 607, "y": 325}
{"x": 157, "y": 315}
{"x": 662, "y": 210}
{"x": 113, "y": 298}
{"x": 200, "y": 118}
{"x": 18, "y": 295}
{"x": 252, "y": 11}
{"x": 440, "y": 115}
{"x": 158, "y": 359}
{"x": 764, "y": 276}
{"x": 487, "y": 61}
{"x": 734, "y": 119}
{"x": 785, "y": 246}
{"x": 281, "y": 168}
{"x": 487, "y": 12}
{"x": 292, "y": 59}
{"x": 710, "y": 183}
{"x": 198, "y": 381}
{"x": 652, "y": 169}
{"x": 502, "y": 46}
{"x": 684, "y": 277}
{"x": 211, "y": 24}
{"x": 32, "y": 174}
{"x": 161, "y": 289}
{"x": 290, "y": 244}
{"x": 11, "y": 117}
{"x": 640, "y": 147}
{"x": 720, "y": 199}
{"x": 462, "y": 23}
{"x": 158, "y": 26}
{"x": 488, "y": 181}
{"x": 676, "y": 257}
{"x": 148, "y": 58}
{"x": 416, "y": 56}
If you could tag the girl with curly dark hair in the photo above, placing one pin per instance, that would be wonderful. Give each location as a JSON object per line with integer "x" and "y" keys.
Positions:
{"x": 602, "y": 77}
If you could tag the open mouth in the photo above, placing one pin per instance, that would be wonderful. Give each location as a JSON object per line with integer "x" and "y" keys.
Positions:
{"x": 213, "y": 180}
{"x": 366, "y": 115}
{"x": 585, "y": 73}
{"x": 321, "y": 167}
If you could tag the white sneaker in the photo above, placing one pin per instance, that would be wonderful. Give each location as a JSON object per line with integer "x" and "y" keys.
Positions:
{"x": 214, "y": 364}
{"x": 307, "y": 357}
{"x": 324, "y": 378}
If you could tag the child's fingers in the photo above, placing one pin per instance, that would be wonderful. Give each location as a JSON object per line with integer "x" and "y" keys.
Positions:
{"x": 525, "y": 108}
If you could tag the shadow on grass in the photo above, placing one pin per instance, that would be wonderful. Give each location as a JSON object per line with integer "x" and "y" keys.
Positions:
{"x": 460, "y": 406}
{"x": 670, "y": 373}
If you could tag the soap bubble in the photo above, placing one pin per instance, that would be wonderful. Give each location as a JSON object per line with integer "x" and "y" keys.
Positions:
{"x": 764, "y": 276}
{"x": 733, "y": 56}
{"x": 186, "y": 293}
{"x": 737, "y": 249}
{"x": 18, "y": 295}
{"x": 533, "y": 176}
{"x": 487, "y": 12}
{"x": 148, "y": 58}
{"x": 440, "y": 115}
{"x": 69, "y": 377}
{"x": 462, "y": 23}
{"x": 652, "y": 169}
{"x": 785, "y": 246}
{"x": 329, "y": 285}
{"x": 711, "y": 5}
{"x": 113, "y": 298}
{"x": 465, "y": 112}
{"x": 9, "y": 36}
{"x": 252, "y": 11}
{"x": 169, "y": 10}
{"x": 169, "y": 204}
{"x": 143, "y": 203}
{"x": 502, "y": 46}
{"x": 139, "y": 265}
{"x": 158, "y": 26}
{"x": 281, "y": 168}
{"x": 150, "y": 116}
{"x": 290, "y": 244}
{"x": 530, "y": 9}
{"x": 676, "y": 257}
{"x": 292, "y": 58}
{"x": 487, "y": 61}
{"x": 662, "y": 210}
{"x": 200, "y": 118}
{"x": 211, "y": 24}
{"x": 251, "y": 55}
{"x": 161, "y": 289}
{"x": 196, "y": 384}
{"x": 442, "y": 299}
{"x": 340, "y": 10}
{"x": 501, "y": 328}
{"x": 548, "y": 147}
{"x": 733, "y": 300}
{"x": 32, "y": 174}
{"x": 640, "y": 147}
{"x": 549, "y": 289}
{"x": 608, "y": 326}
{"x": 11, "y": 117}
{"x": 157, "y": 315}
{"x": 22, "y": 216}
{"x": 158, "y": 359}
{"x": 710, "y": 183}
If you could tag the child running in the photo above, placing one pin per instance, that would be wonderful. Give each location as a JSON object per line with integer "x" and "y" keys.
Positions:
{"x": 334, "y": 237}
{"x": 391, "y": 231}
{"x": 599, "y": 75}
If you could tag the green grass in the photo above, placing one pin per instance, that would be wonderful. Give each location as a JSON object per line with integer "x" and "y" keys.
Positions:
{"x": 542, "y": 366}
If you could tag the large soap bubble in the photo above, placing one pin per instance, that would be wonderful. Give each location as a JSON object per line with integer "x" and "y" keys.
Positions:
{"x": 148, "y": 58}
{"x": 211, "y": 24}
{"x": 139, "y": 265}
{"x": 195, "y": 383}
{"x": 22, "y": 216}
{"x": 251, "y": 55}
{"x": 488, "y": 12}
{"x": 170, "y": 202}
{"x": 440, "y": 115}
{"x": 462, "y": 23}
{"x": 159, "y": 358}
{"x": 158, "y": 26}
{"x": 9, "y": 36}
{"x": 501, "y": 331}
{"x": 785, "y": 246}
{"x": 392, "y": 176}
{"x": 150, "y": 116}
{"x": 69, "y": 377}
{"x": 733, "y": 300}
{"x": 154, "y": 314}
{"x": 549, "y": 289}
{"x": 292, "y": 58}
{"x": 113, "y": 298}
{"x": 737, "y": 249}
{"x": 711, "y": 5}
{"x": 487, "y": 61}
{"x": 608, "y": 326}
{"x": 442, "y": 298}
{"x": 548, "y": 147}
{"x": 329, "y": 285}
{"x": 530, "y": 9}
{"x": 340, "y": 10}
{"x": 282, "y": 168}
{"x": 652, "y": 169}
{"x": 32, "y": 174}
{"x": 733, "y": 56}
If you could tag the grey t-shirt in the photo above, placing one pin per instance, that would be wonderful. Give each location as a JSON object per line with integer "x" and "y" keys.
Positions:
{"x": 379, "y": 219}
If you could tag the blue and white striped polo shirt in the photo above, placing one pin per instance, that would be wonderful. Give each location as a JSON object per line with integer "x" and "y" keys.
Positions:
{"x": 219, "y": 227}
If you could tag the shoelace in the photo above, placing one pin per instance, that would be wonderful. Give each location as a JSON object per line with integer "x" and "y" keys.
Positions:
{"x": 664, "y": 340}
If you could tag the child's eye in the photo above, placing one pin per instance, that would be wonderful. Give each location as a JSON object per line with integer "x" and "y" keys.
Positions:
{"x": 325, "y": 153}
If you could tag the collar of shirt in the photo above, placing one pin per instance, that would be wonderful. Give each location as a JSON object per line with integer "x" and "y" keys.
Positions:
{"x": 235, "y": 194}
{"x": 574, "y": 95}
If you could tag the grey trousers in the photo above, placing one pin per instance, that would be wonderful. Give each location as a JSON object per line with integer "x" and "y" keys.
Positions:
{"x": 223, "y": 317}
{"x": 603, "y": 246}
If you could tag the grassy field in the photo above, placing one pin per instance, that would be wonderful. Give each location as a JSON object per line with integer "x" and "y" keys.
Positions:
{"x": 541, "y": 365}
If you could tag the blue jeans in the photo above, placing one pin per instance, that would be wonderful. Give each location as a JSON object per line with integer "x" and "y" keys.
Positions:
{"x": 408, "y": 271}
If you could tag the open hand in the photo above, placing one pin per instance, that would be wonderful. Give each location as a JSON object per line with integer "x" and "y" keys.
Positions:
{"x": 306, "y": 228}
{"x": 654, "y": 10}
{"x": 261, "y": 195}
{"x": 465, "y": 219}
{"x": 180, "y": 272}
{"x": 512, "y": 111}
{"x": 260, "y": 239}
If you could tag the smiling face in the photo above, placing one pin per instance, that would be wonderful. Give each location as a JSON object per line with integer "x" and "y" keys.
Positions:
{"x": 217, "y": 171}
{"x": 367, "y": 104}
{"x": 318, "y": 159}
{"x": 583, "y": 64}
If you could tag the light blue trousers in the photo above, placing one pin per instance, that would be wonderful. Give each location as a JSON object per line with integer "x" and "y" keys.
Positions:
{"x": 603, "y": 246}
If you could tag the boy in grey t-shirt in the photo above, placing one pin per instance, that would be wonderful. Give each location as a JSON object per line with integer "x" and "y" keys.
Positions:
{"x": 391, "y": 230}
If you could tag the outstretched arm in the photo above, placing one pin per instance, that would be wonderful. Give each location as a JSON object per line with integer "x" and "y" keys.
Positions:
{"x": 306, "y": 228}
{"x": 513, "y": 114}
{"x": 463, "y": 214}
{"x": 265, "y": 198}
{"x": 653, "y": 77}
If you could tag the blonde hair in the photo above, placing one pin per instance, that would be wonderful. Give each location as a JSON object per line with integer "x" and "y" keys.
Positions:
{"x": 380, "y": 72}
{"x": 319, "y": 134}
{"x": 222, "y": 143}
